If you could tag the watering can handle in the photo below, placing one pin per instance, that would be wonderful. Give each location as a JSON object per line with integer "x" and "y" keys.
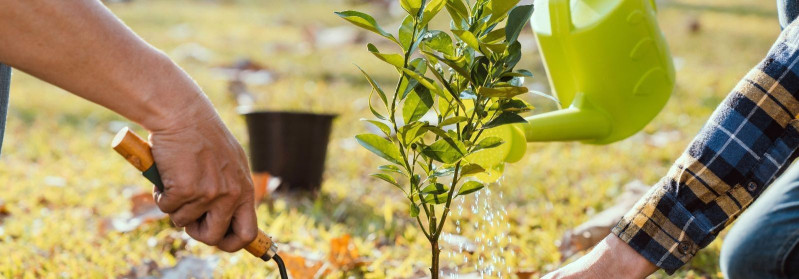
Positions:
{"x": 138, "y": 153}
{"x": 560, "y": 16}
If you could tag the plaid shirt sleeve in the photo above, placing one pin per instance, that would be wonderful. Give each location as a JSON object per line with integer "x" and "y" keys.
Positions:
{"x": 749, "y": 140}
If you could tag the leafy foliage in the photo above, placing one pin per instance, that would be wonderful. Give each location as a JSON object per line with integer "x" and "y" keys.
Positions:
{"x": 466, "y": 80}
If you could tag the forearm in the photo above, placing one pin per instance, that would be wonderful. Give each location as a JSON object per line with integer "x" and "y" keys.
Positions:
{"x": 610, "y": 258}
{"x": 81, "y": 47}
{"x": 749, "y": 140}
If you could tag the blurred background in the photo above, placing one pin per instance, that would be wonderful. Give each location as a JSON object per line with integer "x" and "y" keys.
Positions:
{"x": 70, "y": 207}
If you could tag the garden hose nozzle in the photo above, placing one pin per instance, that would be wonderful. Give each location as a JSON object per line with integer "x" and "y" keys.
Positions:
{"x": 138, "y": 153}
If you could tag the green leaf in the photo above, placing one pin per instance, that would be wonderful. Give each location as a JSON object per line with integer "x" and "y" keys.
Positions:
{"x": 453, "y": 120}
{"x": 480, "y": 70}
{"x": 431, "y": 9}
{"x": 435, "y": 189}
{"x": 380, "y": 147}
{"x": 406, "y": 86}
{"x": 518, "y": 73}
{"x": 504, "y": 118}
{"x": 452, "y": 95}
{"x": 380, "y": 125}
{"x": 414, "y": 210}
{"x": 442, "y": 172}
{"x": 500, "y": 8}
{"x": 470, "y": 187}
{"x": 445, "y": 150}
{"x": 513, "y": 55}
{"x": 436, "y": 199}
{"x": 471, "y": 169}
{"x": 375, "y": 86}
{"x": 372, "y": 108}
{"x": 418, "y": 65}
{"x": 495, "y": 36}
{"x": 452, "y": 64}
{"x": 501, "y": 92}
{"x": 439, "y": 41}
{"x": 468, "y": 38}
{"x": 489, "y": 142}
{"x": 516, "y": 106}
{"x": 395, "y": 60}
{"x": 494, "y": 48}
{"x": 411, "y": 6}
{"x": 458, "y": 11}
{"x": 367, "y": 22}
{"x": 439, "y": 132}
{"x": 387, "y": 178}
{"x": 422, "y": 80}
{"x": 417, "y": 104}
{"x": 391, "y": 168}
{"x": 409, "y": 133}
{"x": 517, "y": 19}
{"x": 525, "y": 73}
{"x": 406, "y": 32}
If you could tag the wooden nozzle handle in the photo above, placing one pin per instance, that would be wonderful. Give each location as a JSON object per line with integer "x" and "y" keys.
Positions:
{"x": 133, "y": 148}
{"x": 137, "y": 151}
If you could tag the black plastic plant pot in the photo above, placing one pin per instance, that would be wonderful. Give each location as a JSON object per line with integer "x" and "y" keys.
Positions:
{"x": 290, "y": 145}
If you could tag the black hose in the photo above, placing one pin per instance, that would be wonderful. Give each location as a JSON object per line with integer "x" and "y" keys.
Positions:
{"x": 281, "y": 267}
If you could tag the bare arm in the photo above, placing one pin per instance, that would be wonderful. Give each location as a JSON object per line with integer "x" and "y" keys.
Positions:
{"x": 81, "y": 47}
{"x": 611, "y": 258}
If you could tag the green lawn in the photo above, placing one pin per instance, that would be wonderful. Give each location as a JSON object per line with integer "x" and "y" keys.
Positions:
{"x": 60, "y": 179}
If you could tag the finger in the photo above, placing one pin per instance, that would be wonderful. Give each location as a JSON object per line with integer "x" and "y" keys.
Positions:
{"x": 211, "y": 229}
{"x": 177, "y": 192}
{"x": 188, "y": 213}
{"x": 245, "y": 229}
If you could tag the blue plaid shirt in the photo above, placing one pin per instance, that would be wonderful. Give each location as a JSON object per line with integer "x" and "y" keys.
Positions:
{"x": 749, "y": 140}
{"x": 5, "y": 82}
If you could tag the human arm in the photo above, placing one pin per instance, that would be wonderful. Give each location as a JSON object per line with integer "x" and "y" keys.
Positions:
{"x": 81, "y": 47}
{"x": 610, "y": 258}
{"x": 749, "y": 140}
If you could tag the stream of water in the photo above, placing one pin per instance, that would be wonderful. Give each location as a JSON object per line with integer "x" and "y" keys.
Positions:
{"x": 488, "y": 223}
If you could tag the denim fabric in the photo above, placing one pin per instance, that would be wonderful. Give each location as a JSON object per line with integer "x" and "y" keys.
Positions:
{"x": 788, "y": 11}
{"x": 5, "y": 82}
{"x": 764, "y": 243}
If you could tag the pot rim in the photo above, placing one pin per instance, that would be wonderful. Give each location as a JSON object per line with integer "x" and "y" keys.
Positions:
{"x": 284, "y": 112}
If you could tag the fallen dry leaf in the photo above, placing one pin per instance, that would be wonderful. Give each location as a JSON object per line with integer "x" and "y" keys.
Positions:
{"x": 264, "y": 185}
{"x": 343, "y": 253}
{"x": 525, "y": 273}
{"x": 143, "y": 210}
{"x": 4, "y": 212}
{"x": 299, "y": 268}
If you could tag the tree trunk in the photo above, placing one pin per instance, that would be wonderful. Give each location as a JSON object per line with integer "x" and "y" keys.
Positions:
{"x": 434, "y": 268}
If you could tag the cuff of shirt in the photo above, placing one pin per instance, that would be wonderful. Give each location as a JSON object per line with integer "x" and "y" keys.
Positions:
{"x": 663, "y": 231}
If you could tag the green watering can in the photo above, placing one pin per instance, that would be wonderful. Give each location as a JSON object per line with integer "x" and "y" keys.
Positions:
{"x": 607, "y": 61}
{"x": 608, "y": 64}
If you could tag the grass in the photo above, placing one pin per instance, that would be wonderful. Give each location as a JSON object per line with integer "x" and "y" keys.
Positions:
{"x": 52, "y": 227}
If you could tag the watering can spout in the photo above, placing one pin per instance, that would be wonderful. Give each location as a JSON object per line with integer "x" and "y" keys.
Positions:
{"x": 572, "y": 124}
